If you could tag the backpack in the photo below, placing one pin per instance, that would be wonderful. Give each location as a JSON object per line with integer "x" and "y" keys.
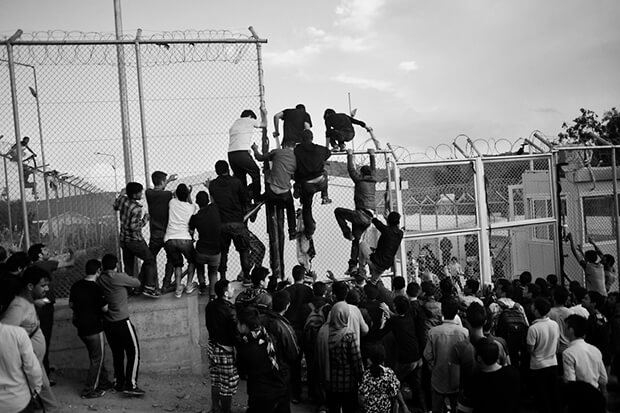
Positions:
{"x": 512, "y": 326}
{"x": 314, "y": 322}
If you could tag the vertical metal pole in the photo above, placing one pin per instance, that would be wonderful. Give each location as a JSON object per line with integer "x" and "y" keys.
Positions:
{"x": 8, "y": 201}
{"x": 47, "y": 192}
{"x": 614, "y": 168}
{"x": 145, "y": 148}
{"x": 556, "y": 207}
{"x": 272, "y": 225}
{"x": 20, "y": 161}
{"x": 402, "y": 251}
{"x": 122, "y": 84}
{"x": 64, "y": 216}
{"x": 483, "y": 221}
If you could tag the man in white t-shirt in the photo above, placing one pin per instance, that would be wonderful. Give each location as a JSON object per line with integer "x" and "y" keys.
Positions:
{"x": 542, "y": 342}
{"x": 241, "y": 138}
{"x": 178, "y": 241}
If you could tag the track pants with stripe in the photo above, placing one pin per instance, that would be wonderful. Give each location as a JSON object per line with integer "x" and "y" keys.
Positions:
{"x": 123, "y": 341}
{"x": 97, "y": 374}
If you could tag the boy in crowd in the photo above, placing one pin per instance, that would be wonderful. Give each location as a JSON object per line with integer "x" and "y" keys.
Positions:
{"x": 88, "y": 305}
{"x": 542, "y": 342}
{"x": 438, "y": 353}
{"x": 131, "y": 239}
{"x": 469, "y": 293}
{"x": 207, "y": 222}
{"x": 120, "y": 332}
{"x": 157, "y": 200}
{"x": 593, "y": 269}
{"x": 221, "y": 324}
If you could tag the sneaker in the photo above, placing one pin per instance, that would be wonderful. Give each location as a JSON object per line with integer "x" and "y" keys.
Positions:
{"x": 168, "y": 289}
{"x": 134, "y": 391}
{"x": 202, "y": 288}
{"x": 350, "y": 271}
{"x": 350, "y": 237}
{"x": 118, "y": 387}
{"x": 325, "y": 201}
{"x": 190, "y": 288}
{"x": 292, "y": 236}
{"x": 247, "y": 282}
{"x": 151, "y": 292}
{"x": 92, "y": 394}
{"x": 178, "y": 292}
{"x": 106, "y": 386}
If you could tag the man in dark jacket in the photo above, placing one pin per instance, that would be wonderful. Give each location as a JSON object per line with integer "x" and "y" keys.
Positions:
{"x": 221, "y": 324}
{"x": 387, "y": 246}
{"x": 207, "y": 222}
{"x": 365, "y": 205}
{"x": 311, "y": 177}
{"x": 339, "y": 128}
{"x": 230, "y": 197}
{"x": 296, "y": 120}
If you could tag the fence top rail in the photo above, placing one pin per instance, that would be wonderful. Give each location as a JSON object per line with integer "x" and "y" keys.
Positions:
{"x": 377, "y": 152}
{"x": 524, "y": 157}
{"x": 440, "y": 233}
{"x": 586, "y": 147}
{"x": 436, "y": 162}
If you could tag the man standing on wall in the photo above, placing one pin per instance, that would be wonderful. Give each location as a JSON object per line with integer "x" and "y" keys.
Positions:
{"x": 157, "y": 200}
{"x": 131, "y": 240}
{"x": 295, "y": 122}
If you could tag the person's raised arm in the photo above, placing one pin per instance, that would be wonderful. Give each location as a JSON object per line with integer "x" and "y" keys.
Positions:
{"x": 596, "y": 248}
{"x": 379, "y": 225}
{"x": 263, "y": 117}
{"x": 373, "y": 164}
{"x": 171, "y": 178}
{"x": 65, "y": 261}
{"x": 577, "y": 253}
{"x": 276, "y": 123}
{"x": 257, "y": 155}
{"x": 351, "y": 166}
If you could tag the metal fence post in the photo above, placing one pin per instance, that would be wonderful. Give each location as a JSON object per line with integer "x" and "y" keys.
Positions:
{"x": 483, "y": 222}
{"x": 8, "y": 201}
{"x": 18, "y": 145}
{"x": 614, "y": 168}
{"x": 145, "y": 148}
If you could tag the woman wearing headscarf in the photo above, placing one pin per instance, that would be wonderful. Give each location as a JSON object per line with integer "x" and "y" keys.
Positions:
{"x": 340, "y": 360}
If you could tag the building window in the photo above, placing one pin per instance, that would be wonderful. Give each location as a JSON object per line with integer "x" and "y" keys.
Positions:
{"x": 598, "y": 221}
{"x": 542, "y": 208}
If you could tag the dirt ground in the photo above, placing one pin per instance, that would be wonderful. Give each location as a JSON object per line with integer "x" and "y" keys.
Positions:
{"x": 164, "y": 393}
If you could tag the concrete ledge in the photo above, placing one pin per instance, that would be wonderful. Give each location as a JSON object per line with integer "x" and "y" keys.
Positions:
{"x": 169, "y": 331}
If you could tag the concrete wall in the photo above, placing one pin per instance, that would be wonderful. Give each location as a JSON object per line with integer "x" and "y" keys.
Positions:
{"x": 170, "y": 332}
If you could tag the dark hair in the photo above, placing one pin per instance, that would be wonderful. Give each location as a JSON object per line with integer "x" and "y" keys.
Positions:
{"x": 590, "y": 256}
{"x": 542, "y": 305}
{"x": 33, "y": 275}
{"x": 158, "y": 177}
{"x": 258, "y": 275}
{"x": 552, "y": 279}
{"x": 506, "y": 287}
{"x": 609, "y": 260}
{"x": 476, "y": 315}
{"x": 525, "y": 277}
{"x": 340, "y": 290}
{"x": 248, "y": 113}
{"x": 319, "y": 289}
{"x": 280, "y": 300}
{"x": 597, "y": 299}
{"x": 447, "y": 287}
{"x": 428, "y": 288}
{"x": 401, "y": 305}
{"x": 533, "y": 289}
{"x": 353, "y": 297}
{"x": 488, "y": 350}
{"x": 3, "y": 254}
{"x": 578, "y": 323}
{"x": 18, "y": 260}
{"x": 573, "y": 285}
{"x": 449, "y": 308}
{"x": 413, "y": 289}
{"x": 365, "y": 170}
{"x": 393, "y": 218}
{"x": 328, "y": 113}
{"x": 543, "y": 285}
{"x": 473, "y": 285}
{"x": 580, "y": 293}
{"x": 298, "y": 272}
{"x": 133, "y": 188}
{"x": 372, "y": 291}
{"x": 398, "y": 283}
{"x": 34, "y": 251}
{"x": 221, "y": 167}
{"x": 109, "y": 262}
{"x": 307, "y": 136}
{"x": 560, "y": 295}
{"x": 182, "y": 192}
{"x": 376, "y": 354}
{"x": 202, "y": 199}
{"x": 249, "y": 316}
{"x": 221, "y": 287}
{"x": 301, "y": 106}
{"x": 92, "y": 266}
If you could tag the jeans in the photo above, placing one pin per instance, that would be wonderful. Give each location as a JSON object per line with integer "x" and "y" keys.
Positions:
{"x": 176, "y": 249}
{"x": 139, "y": 249}
{"x": 280, "y": 404}
{"x": 359, "y": 222}
{"x": 345, "y": 401}
{"x": 308, "y": 189}
{"x": 439, "y": 398}
{"x": 239, "y": 234}
{"x": 277, "y": 205}
{"x": 546, "y": 389}
{"x": 242, "y": 164}
{"x": 97, "y": 374}
{"x": 123, "y": 341}
{"x": 155, "y": 245}
{"x": 46, "y": 318}
{"x": 212, "y": 262}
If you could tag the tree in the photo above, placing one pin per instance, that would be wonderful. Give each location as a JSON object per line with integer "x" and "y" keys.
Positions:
{"x": 588, "y": 123}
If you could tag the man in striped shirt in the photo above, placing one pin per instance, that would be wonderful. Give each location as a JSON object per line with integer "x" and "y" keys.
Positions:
{"x": 131, "y": 240}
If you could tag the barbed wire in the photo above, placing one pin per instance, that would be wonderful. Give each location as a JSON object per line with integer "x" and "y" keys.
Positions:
{"x": 160, "y": 53}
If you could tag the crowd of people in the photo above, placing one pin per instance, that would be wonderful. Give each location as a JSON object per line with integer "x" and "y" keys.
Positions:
{"x": 433, "y": 345}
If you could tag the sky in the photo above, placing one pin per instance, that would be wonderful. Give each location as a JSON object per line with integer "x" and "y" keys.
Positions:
{"x": 419, "y": 72}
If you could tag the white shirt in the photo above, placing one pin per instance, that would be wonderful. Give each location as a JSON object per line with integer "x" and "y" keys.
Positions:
{"x": 583, "y": 362}
{"x": 543, "y": 334}
{"x": 179, "y": 214}
{"x": 17, "y": 359}
{"x": 241, "y": 133}
{"x": 580, "y": 310}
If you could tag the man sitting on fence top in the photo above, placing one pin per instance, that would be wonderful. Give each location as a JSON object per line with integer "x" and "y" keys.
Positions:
{"x": 365, "y": 205}
{"x": 157, "y": 200}
{"x": 131, "y": 240}
{"x": 295, "y": 122}
{"x": 339, "y": 128}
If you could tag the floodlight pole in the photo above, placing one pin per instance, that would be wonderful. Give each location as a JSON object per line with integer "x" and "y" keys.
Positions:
{"x": 122, "y": 84}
